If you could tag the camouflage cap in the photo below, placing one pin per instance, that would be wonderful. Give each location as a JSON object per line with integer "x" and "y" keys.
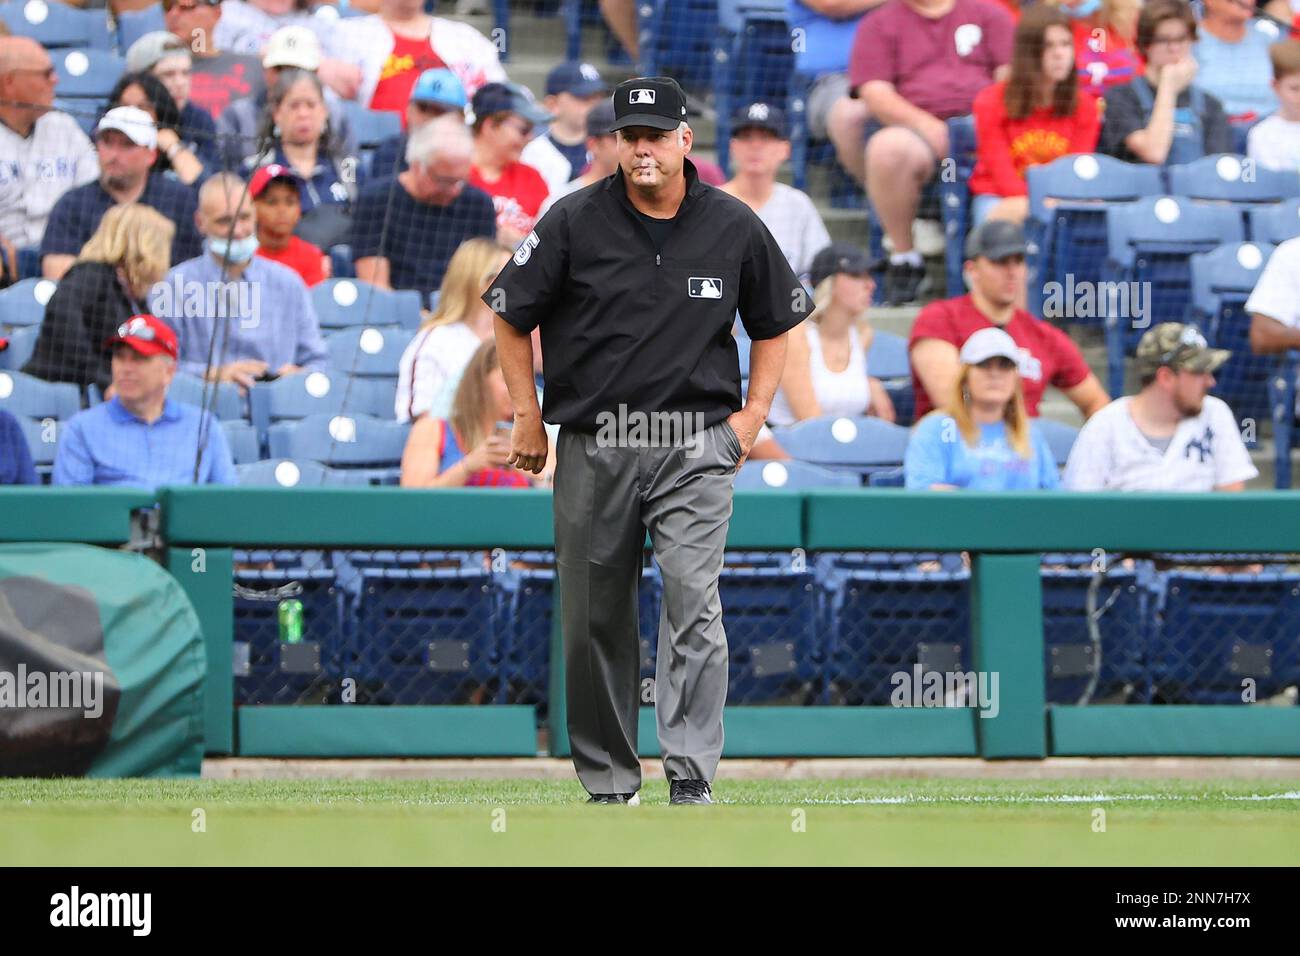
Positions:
{"x": 1178, "y": 346}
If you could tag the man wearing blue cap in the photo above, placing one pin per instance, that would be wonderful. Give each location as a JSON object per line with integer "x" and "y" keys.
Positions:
{"x": 572, "y": 90}
{"x": 436, "y": 93}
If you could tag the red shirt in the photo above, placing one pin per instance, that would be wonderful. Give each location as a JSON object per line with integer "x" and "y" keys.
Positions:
{"x": 518, "y": 195}
{"x": 403, "y": 67}
{"x": 1047, "y": 356}
{"x": 300, "y": 256}
{"x": 937, "y": 65}
{"x": 1104, "y": 58}
{"x": 1008, "y": 147}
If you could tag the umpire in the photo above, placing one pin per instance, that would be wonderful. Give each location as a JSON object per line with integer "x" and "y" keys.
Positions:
{"x": 635, "y": 282}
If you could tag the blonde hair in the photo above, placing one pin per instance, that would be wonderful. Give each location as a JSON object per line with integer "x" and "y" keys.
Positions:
{"x": 469, "y": 407}
{"x": 473, "y": 265}
{"x": 822, "y": 295}
{"x": 135, "y": 237}
{"x": 1014, "y": 415}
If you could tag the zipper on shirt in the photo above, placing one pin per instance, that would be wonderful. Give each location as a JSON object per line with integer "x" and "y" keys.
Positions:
{"x": 658, "y": 259}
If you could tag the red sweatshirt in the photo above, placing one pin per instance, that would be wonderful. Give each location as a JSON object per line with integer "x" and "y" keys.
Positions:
{"x": 1007, "y": 147}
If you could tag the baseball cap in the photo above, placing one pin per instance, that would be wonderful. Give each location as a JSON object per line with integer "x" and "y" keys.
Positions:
{"x": 147, "y": 335}
{"x": 841, "y": 257}
{"x": 145, "y": 52}
{"x": 600, "y": 121}
{"x": 265, "y": 175}
{"x": 296, "y": 47}
{"x": 135, "y": 123}
{"x": 995, "y": 239}
{"x": 441, "y": 86}
{"x": 1178, "y": 346}
{"x": 654, "y": 101}
{"x": 760, "y": 116}
{"x": 508, "y": 98}
{"x": 989, "y": 343}
{"x": 580, "y": 79}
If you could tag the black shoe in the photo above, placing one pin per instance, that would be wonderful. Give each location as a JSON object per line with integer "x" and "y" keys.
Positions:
{"x": 689, "y": 791}
{"x": 905, "y": 283}
{"x": 631, "y": 799}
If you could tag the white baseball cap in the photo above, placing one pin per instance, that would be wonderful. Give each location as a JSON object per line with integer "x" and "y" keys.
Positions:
{"x": 989, "y": 343}
{"x": 135, "y": 123}
{"x": 295, "y": 47}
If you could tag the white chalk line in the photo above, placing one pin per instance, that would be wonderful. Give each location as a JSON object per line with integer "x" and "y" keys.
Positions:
{"x": 1051, "y": 798}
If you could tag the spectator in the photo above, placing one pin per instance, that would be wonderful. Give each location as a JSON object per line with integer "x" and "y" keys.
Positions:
{"x": 163, "y": 56}
{"x": 1171, "y": 435}
{"x": 436, "y": 93}
{"x": 238, "y": 317}
{"x": 276, "y": 192}
{"x": 43, "y": 152}
{"x": 218, "y": 76}
{"x": 1274, "y": 142}
{"x": 504, "y": 118}
{"x": 481, "y": 420}
{"x": 174, "y": 156}
{"x": 292, "y": 48}
{"x": 602, "y": 145}
{"x": 1103, "y": 41}
{"x": 432, "y": 364}
{"x": 16, "y": 466}
{"x": 107, "y": 284}
{"x": 982, "y": 439}
{"x": 297, "y": 134}
{"x": 995, "y": 274}
{"x": 140, "y": 437}
{"x": 1232, "y": 53}
{"x": 810, "y": 387}
{"x": 560, "y": 155}
{"x": 1037, "y": 115}
{"x": 1274, "y": 305}
{"x": 916, "y": 64}
{"x": 251, "y": 27}
{"x": 406, "y": 228}
{"x": 760, "y": 144}
{"x": 1161, "y": 117}
{"x": 127, "y": 140}
{"x": 621, "y": 18}
{"x": 402, "y": 41}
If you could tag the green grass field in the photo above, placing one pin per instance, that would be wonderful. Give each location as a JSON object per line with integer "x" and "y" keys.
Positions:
{"x": 385, "y": 822}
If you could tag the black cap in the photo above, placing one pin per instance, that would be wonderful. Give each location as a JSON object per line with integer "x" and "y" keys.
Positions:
{"x": 841, "y": 257}
{"x": 600, "y": 119}
{"x": 654, "y": 101}
{"x": 996, "y": 239}
{"x": 760, "y": 116}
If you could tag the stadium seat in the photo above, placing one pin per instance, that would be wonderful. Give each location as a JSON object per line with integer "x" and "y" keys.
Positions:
{"x": 790, "y": 476}
{"x": 889, "y": 361}
{"x": 1060, "y": 438}
{"x": 888, "y": 478}
{"x": 752, "y": 61}
{"x": 56, "y": 25}
{"x": 316, "y": 393}
{"x": 860, "y": 445}
{"x": 1066, "y": 227}
{"x": 341, "y": 266}
{"x": 87, "y": 74}
{"x": 304, "y": 672}
{"x": 368, "y": 352}
{"x": 1228, "y": 179}
{"x": 42, "y": 441}
{"x": 371, "y": 127}
{"x": 344, "y": 303}
{"x": 344, "y": 441}
{"x": 24, "y": 395}
{"x": 1276, "y": 223}
{"x": 1149, "y": 243}
{"x": 23, "y": 303}
{"x": 1108, "y": 666}
{"x": 85, "y": 111}
{"x": 954, "y": 200}
{"x": 285, "y": 473}
{"x": 771, "y": 616}
{"x": 133, "y": 24}
{"x": 242, "y": 438}
{"x": 1222, "y": 281}
{"x": 227, "y": 402}
{"x": 22, "y": 342}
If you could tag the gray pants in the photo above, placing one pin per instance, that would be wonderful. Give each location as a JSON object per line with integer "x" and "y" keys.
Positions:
{"x": 606, "y": 498}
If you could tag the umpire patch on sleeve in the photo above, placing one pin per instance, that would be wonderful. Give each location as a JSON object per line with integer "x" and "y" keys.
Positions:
{"x": 704, "y": 287}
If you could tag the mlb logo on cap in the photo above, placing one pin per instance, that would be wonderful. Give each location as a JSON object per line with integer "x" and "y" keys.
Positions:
{"x": 641, "y": 96}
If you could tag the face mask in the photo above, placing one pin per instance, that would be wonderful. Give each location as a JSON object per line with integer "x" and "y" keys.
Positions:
{"x": 237, "y": 251}
{"x": 1083, "y": 10}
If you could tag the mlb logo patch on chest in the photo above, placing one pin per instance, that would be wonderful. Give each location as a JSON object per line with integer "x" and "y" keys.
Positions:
{"x": 704, "y": 287}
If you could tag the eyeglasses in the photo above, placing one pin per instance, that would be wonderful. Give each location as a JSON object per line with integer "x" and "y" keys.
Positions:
{"x": 45, "y": 72}
{"x": 169, "y": 5}
{"x": 1172, "y": 41}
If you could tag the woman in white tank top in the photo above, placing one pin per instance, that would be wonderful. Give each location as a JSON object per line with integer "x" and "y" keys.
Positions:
{"x": 826, "y": 360}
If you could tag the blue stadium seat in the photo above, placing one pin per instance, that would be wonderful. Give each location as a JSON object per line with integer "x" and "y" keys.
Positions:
{"x": 888, "y": 360}
{"x": 245, "y": 448}
{"x": 1149, "y": 243}
{"x": 317, "y": 393}
{"x": 25, "y": 395}
{"x": 42, "y": 441}
{"x": 344, "y": 303}
{"x": 1060, "y": 437}
{"x": 23, "y": 303}
{"x": 954, "y": 200}
{"x": 285, "y": 473}
{"x": 341, "y": 265}
{"x": 1067, "y": 237}
{"x": 22, "y": 343}
{"x": 1276, "y": 223}
{"x": 752, "y": 61}
{"x": 1215, "y": 630}
{"x": 87, "y": 74}
{"x": 888, "y": 478}
{"x": 1110, "y": 668}
{"x": 133, "y": 24}
{"x": 790, "y": 476}
{"x": 54, "y": 24}
{"x": 771, "y": 616}
{"x": 1227, "y": 178}
{"x": 29, "y": 262}
{"x": 85, "y": 111}
{"x": 860, "y": 445}
{"x": 342, "y": 441}
{"x": 371, "y": 127}
{"x": 228, "y": 403}
{"x": 1222, "y": 281}
{"x": 275, "y": 673}
{"x": 368, "y": 352}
